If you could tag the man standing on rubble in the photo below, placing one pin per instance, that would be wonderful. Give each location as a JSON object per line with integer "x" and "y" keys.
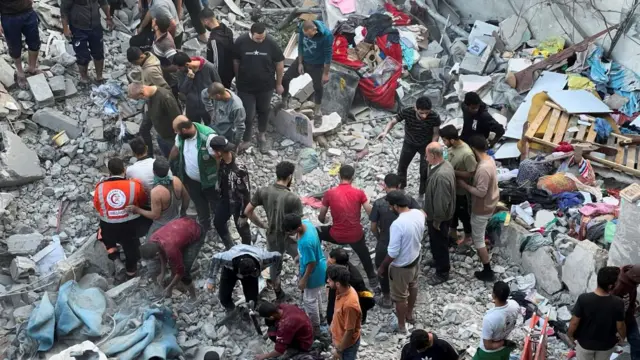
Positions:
{"x": 117, "y": 225}
{"x": 81, "y": 23}
{"x": 193, "y": 7}
{"x": 225, "y": 111}
{"x": 18, "y": 18}
{"x": 277, "y": 200}
{"x": 315, "y": 50}
{"x": 464, "y": 164}
{"x": 219, "y": 46}
{"x": 162, "y": 109}
{"x": 346, "y": 324}
{"x": 497, "y": 324}
{"x": 195, "y": 75}
{"x": 439, "y": 205}
{"x": 421, "y": 128}
{"x": 151, "y": 72}
{"x": 345, "y": 202}
{"x": 478, "y": 121}
{"x": 164, "y": 9}
{"x": 381, "y": 219}
{"x": 259, "y": 68}
{"x": 485, "y": 195}
{"x": 626, "y": 289}
{"x": 197, "y": 166}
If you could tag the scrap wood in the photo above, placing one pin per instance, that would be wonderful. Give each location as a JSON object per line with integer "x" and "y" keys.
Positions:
{"x": 524, "y": 78}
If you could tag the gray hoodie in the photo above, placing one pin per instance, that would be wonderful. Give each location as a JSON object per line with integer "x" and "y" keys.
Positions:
{"x": 226, "y": 116}
{"x": 192, "y": 88}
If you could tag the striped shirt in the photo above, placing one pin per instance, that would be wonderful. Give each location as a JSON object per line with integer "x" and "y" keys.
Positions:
{"x": 418, "y": 132}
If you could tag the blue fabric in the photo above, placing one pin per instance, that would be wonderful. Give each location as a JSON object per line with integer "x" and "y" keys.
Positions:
{"x": 603, "y": 130}
{"x": 318, "y": 49}
{"x": 17, "y": 25}
{"x": 156, "y": 338}
{"x": 615, "y": 76}
{"x": 568, "y": 199}
{"x": 633, "y": 337}
{"x": 633, "y": 105}
{"x": 351, "y": 352}
{"x": 311, "y": 251}
{"x": 407, "y": 53}
{"x": 42, "y": 324}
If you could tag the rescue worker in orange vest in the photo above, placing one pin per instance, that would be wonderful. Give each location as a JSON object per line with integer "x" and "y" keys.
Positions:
{"x": 118, "y": 225}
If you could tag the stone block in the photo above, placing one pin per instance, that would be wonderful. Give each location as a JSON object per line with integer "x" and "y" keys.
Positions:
{"x": 41, "y": 91}
{"x": 93, "y": 280}
{"x": 22, "y": 267}
{"x": 510, "y": 239}
{"x": 580, "y": 268}
{"x": 7, "y": 74}
{"x": 124, "y": 288}
{"x": 301, "y": 87}
{"x": 95, "y": 128}
{"x": 24, "y": 244}
{"x": 96, "y": 255}
{"x": 476, "y": 64}
{"x": 294, "y": 126}
{"x": 70, "y": 88}
{"x": 58, "y": 85}
{"x": 55, "y": 120}
{"x": 626, "y": 242}
{"x": 18, "y": 164}
{"x": 71, "y": 268}
{"x": 544, "y": 265}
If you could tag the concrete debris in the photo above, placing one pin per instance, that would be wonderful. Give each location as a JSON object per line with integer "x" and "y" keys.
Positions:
{"x": 123, "y": 288}
{"x": 58, "y": 85}
{"x": 329, "y": 124}
{"x": 93, "y": 280}
{"x": 7, "y": 74}
{"x": 22, "y": 267}
{"x": 57, "y": 121}
{"x": 19, "y": 164}
{"x": 41, "y": 91}
{"x": 543, "y": 264}
{"x": 580, "y": 268}
{"x": 23, "y": 244}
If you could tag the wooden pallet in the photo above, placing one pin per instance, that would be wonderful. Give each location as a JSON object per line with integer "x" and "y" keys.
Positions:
{"x": 622, "y": 151}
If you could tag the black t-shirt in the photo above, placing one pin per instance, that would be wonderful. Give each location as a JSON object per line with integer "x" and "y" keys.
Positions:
{"x": 418, "y": 132}
{"x": 440, "y": 350}
{"x": 383, "y": 216}
{"x": 257, "y": 63}
{"x": 598, "y": 316}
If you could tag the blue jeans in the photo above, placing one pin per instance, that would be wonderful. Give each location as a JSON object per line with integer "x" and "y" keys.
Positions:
{"x": 15, "y": 26}
{"x": 351, "y": 352}
{"x": 633, "y": 337}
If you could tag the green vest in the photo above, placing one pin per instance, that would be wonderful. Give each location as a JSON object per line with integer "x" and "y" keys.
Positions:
{"x": 206, "y": 163}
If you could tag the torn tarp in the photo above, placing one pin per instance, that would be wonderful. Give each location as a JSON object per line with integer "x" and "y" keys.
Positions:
{"x": 615, "y": 76}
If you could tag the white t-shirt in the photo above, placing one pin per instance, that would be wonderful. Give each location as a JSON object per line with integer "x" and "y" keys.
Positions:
{"x": 143, "y": 171}
{"x": 405, "y": 236}
{"x": 190, "y": 153}
{"x": 498, "y": 323}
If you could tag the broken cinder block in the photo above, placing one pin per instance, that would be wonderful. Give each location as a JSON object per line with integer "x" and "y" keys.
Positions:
{"x": 24, "y": 244}
{"x": 40, "y": 89}
{"x": 6, "y": 74}
{"x": 22, "y": 267}
{"x": 57, "y": 121}
{"x": 58, "y": 85}
{"x": 18, "y": 164}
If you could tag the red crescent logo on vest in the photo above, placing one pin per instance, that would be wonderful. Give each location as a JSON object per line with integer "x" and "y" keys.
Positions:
{"x": 116, "y": 198}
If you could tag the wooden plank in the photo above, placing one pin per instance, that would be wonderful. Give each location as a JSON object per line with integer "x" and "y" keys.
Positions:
{"x": 562, "y": 127}
{"x": 591, "y": 136}
{"x": 582, "y": 129}
{"x": 613, "y": 165}
{"x": 551, "y": 126}
{"x": 533, "y": 127}
{"x": 573, "y": 122}
{"x": 631, "y": 157}
{"x": 620, "y": 155}
{"x": 543, "y": 142}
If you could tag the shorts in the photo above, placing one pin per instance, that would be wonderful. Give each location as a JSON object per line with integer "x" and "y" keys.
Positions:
{"x": 401, "y": 280}
{"x": 478, "y": 229}
{"x": 88, "y": 45}
{"x": 281, "y": 243}
{"x": 15, "y": 26}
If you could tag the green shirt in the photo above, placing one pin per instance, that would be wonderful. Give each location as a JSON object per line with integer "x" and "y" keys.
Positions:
{"x": 462, "y": 158}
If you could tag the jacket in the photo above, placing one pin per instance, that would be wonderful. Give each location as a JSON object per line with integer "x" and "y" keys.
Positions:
{"x": 192, "y": 88}
{"x": 220, "y": 52}
{"x": 626, "y": 288}
{"x": 207, "y": 163}
{"x": 152, "y": 72}
{"x": 440, "y": 193}
{"x": 439, "y": 350}
{"x": 113, "y": 194}
{"x": 479, "y": 123}
{"x": 226, "y": 116}
{"x": 225, "y": 259}
{"x": 15, "y": 7}
{"x": 82, "y": 14}
{"x": 318, "y": 49}
{"x": 162, "y": 108}
{"x": 233, "y": 179}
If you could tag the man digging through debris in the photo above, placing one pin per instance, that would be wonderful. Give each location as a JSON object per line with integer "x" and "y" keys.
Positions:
{"x": 18, "y": 17}
{"x": 289, "y": 327}
{"x": 315, "y": 49}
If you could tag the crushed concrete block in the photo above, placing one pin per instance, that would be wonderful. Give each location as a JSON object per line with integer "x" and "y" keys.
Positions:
{"x": 476, "y": 64}
{"x": 329, "y": 124}
{"x": 294, "y": 126}
{"x": 22, "y": 314}
{"x": 96, "y": 254}
{"x": 18, "y": 164}
{"x": 22, "y": 267}
{"x": 511, "y": 238}
{"x": 7, "y": 74}
{"x": 70, "y": 88}
{"x": 626, "y": 242}
{"x": 580, "y": 268}
{"x": 543, "y": 264}
{"x": 194, "y": 47}
{"x": 131, "y": 127}
{"x": 57, "y": 121}
{"x": 40, "y": 89}
{"x": 95, "y": 129}
{"x": 24, "y": 244}
{"x": 58, "y": 86}
{"x": 334, "y": 152}
{"x": 93, "y": 280}
{"x": 301, "y": 87}
{"x": 123, "y": 288}
{"x": 71, "y": 268}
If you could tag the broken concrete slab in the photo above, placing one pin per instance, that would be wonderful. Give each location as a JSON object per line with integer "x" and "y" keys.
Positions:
{"x": 40, "y": 89}
{"x": 18, "y": 164}
{"x": 70, "y": 88}
{"x": 71, "y": 268}
{"x": 543, "y": 264}
{"x": 95, "y": 128}
{"x": 294, "y": 126}
{"x": 626, "y": 242}
{"x": 7, "y": 74}
{"x": 22, "y": 267}
{"x": 339, "y": 92}
{"x": 580, "y": 268}
{"x": 123, "y": 288}
{"x": 301, "y": 87}
{"x": 476, "y": 64}
{"x": 24, "y": 244}
{"x": 22, "y": 314}
{"x": 514, "y": 31}
{"x": 93, "y": 280}
{"x": 57, "y": 121}
{"x": 511, "y": 238}
{"x": 329, "y": 124}
{"x": 58, "y": 85}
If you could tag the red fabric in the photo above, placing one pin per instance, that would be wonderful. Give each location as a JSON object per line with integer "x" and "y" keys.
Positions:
{"x": 294, "y": 327}
{"x": 399, "y": 18}
{"x": 563, "y": 146}
{"x": 173, "y": 238}
{"x": 311, "y": 201}
{"x": 345, "y": 202}
{"x": 200, "y": 59}
{"x": 384, "y": 95}
{"x": 340, "y": 47}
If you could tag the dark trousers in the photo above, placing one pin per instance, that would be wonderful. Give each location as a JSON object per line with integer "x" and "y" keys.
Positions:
{"x": 143, "y": 40}
{"x": 366, "y": 304}
{"x": 126, "y": 235}
{"x": 88, "y": 45}
{"x": 189, "y": 256}
{"x": 462, "y": 213}
{"x": 381, "y": 254}
{"x": 224, "y": 211}
{"x": 197, "y": 115}
{"x": 15, "y": 26}
{"x": 314, "y": 70}
{"x": 633, "y": 337}
{"x": 165, "y": 146}
{"x": 439, "y": 241}
{"x": 407, "y": 154}
{"x": 193, "y": 7}
{"x": 359, "y": 247}
{"x": 205, "y": 201}
{"x": 228, "y": 281}
{"x": 259, "y": 103}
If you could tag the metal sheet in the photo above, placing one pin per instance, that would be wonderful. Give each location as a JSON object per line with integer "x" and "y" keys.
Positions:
{"x": 508, "y": 150}
{"x": 578, "y": 101}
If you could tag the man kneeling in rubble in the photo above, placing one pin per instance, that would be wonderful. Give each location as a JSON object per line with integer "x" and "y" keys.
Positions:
{"x": 289, "y": 327}
{"x": 177, "y": 244}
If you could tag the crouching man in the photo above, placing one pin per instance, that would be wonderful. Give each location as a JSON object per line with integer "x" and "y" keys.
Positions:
{"x": 289, "y": 327}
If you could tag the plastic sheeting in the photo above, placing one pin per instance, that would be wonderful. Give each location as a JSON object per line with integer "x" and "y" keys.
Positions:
{"x": 615, "y": 76}
{"x": 86, "y": 348}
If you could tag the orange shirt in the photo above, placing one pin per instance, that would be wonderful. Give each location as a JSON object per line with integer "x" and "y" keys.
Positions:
{"x": 347, "y": 315}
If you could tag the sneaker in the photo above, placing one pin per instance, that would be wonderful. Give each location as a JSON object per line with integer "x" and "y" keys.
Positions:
{"x": 485, "y": 275}
{"x": 373, "y": 282}
{"x": 263, "y": 144}
{"x": 437, "y": 279}
{"x": 385, "y": 303}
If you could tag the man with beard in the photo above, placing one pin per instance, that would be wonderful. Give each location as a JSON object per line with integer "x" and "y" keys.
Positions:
{"x": 277, "y": 200}
{"x": 219, "y": 46}
{"x": 478, "y": 121}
